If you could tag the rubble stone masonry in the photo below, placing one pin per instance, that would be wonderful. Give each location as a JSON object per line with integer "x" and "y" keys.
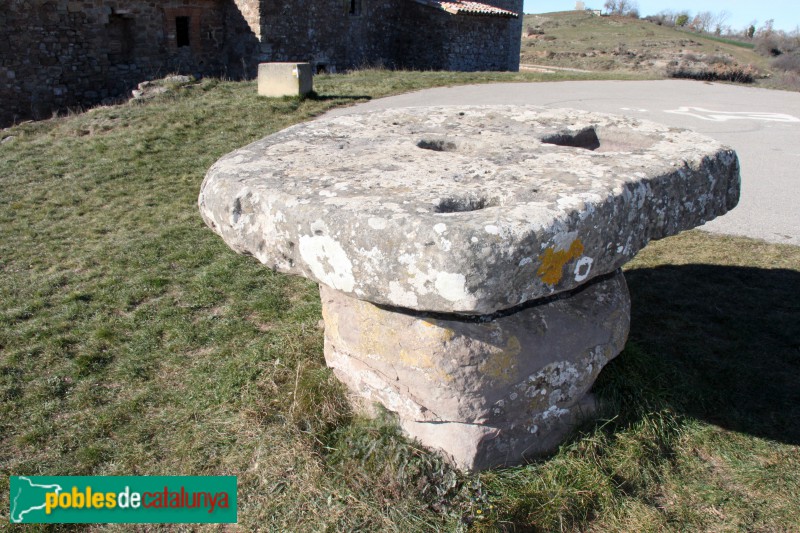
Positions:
{"x": 60, "y": 54}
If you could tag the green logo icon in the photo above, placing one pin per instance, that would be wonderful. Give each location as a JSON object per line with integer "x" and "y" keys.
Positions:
{"x": 122, "y": 499}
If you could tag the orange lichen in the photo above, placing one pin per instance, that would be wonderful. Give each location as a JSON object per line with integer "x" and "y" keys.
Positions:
{"x": 551, "y": 269}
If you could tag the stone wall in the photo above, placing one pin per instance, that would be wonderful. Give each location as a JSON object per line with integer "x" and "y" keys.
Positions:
{"x": 514, "y": 33}
{"x": 59, "y": 54}
{"x": 251, "y": 13}
{"x": 344, "y": 34}
{"x": 331, "y": 34}
{"x": 453, "y": 42}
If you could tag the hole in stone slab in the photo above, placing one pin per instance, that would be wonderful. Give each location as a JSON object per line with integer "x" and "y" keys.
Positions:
{"x": 586, "y": 139}
{"x": 463, "y": 204}
{"x": 437, "y": 145}
{"x": 612, "y": 140}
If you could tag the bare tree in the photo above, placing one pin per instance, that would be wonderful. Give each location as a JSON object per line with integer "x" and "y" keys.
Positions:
{"x": 622, "y": 7}
{"x": 702, "y": 21}
{"x": 719, "y": 21}
{"x": 668, "y": 17}
{"x": 611, "y": 7}
{"x": 580, "y": 6}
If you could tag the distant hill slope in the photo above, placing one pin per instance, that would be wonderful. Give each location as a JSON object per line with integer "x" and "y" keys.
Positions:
{"x": 578, "y": 39}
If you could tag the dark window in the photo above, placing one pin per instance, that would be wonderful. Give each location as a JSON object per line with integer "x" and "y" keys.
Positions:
{"x": 355, "y": 7}
{"x": 120, "y": 42}
{"x": 182, "y": 31}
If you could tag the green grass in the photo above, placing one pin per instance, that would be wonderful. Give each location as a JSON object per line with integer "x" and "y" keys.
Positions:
{"x": 134, "y": 342}
{"x": 732, "y": 42}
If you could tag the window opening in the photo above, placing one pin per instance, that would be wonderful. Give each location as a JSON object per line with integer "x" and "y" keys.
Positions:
{"x": 182, "y": 31}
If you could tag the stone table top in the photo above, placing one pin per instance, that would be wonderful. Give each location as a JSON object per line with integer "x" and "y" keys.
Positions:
{"x": 464, "y": 209}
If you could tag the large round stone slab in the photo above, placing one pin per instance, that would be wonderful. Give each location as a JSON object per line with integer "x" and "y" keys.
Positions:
{"x": 464, "y": 209}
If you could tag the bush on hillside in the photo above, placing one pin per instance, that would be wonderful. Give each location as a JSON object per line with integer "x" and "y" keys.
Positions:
{"x": 788, "y": 63}
{"x": 722, "y": 71}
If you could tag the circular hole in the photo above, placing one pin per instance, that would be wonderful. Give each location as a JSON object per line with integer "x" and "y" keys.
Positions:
{"x": 437, "y": 145}
{"x": 462, "y": 204}
{"x": 585, "y": 138}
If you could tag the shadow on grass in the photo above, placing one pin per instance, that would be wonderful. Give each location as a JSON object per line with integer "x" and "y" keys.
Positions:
{"x": 328, "y": 97}
{"x": 725, "y": 342}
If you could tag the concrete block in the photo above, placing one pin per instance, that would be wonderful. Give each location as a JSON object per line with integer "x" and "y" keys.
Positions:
{"x": 284, "y": 79}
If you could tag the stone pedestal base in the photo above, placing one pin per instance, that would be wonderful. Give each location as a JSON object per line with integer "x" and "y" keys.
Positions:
{"x": 484, "y": 390}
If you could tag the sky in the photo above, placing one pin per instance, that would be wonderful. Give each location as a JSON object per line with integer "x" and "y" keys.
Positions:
{"x": 742, "y": 13}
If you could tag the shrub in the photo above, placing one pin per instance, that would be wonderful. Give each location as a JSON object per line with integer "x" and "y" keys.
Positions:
{"x": 719, "y": 60}
{"x": 531, "y": 30}
{"x": 789, "y": 81}
{"x": 769, "y": 45}
{"x": 716, "y": 72}
{"x": 787, "y": 63}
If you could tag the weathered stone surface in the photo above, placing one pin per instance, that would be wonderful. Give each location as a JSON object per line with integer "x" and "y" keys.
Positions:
{"x": 484, "y": 390}
{"x": 464, "y": 209}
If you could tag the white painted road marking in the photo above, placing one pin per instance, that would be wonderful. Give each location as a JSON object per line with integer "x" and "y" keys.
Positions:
{"x": 724, "y": 116}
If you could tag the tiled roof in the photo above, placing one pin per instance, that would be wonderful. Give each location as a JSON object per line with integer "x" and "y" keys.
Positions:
{"x": 470, "y": 8}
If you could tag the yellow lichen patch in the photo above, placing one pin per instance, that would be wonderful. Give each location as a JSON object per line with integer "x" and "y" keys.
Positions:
{"x": 498, "y": 364}
{"x": 417, "y": 359}
{"x": 422, "y": 348}
{"x": 552, "y": 262}
{"x": 361, "y": 330}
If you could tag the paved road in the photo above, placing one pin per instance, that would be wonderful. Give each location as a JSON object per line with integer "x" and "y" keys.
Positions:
{"x": 762, "y": 126}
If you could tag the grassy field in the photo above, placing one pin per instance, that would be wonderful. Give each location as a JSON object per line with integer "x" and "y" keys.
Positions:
{"x": 576, "y": 39}
{"x": 134, "y": 342}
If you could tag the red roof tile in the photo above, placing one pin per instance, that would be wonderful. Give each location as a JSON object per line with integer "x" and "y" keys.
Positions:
{"x": 471, "y": 8}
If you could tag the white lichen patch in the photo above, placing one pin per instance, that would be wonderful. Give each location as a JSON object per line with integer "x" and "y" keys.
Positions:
{"x": 328, "y": 261}
{"x": 583, "y": 268}
{"x": 377, "y": 223}
{"x": 452, "y": 286}
{"x": 400, "y": 296}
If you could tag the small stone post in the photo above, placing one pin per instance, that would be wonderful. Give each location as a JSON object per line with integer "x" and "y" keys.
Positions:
{"x": 284, "y": 79}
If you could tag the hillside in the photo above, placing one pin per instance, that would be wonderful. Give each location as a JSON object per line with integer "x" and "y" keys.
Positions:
{"x": 577, "y": 39}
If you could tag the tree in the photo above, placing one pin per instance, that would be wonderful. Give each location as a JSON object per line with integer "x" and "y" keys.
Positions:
{"x": 682, "y": 19}
{"x": 767, "y": 29}
{"x": 668, "y": 17}
{"x": 702, "y": 22}
{"x": 751, "y": 31}
{"x": 580, "y": 6}
{"x": 627, "y": 8}
{"x": 719, "y": 21}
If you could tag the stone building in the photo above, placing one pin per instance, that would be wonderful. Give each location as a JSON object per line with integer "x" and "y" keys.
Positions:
{"x": 56, "y": 54}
